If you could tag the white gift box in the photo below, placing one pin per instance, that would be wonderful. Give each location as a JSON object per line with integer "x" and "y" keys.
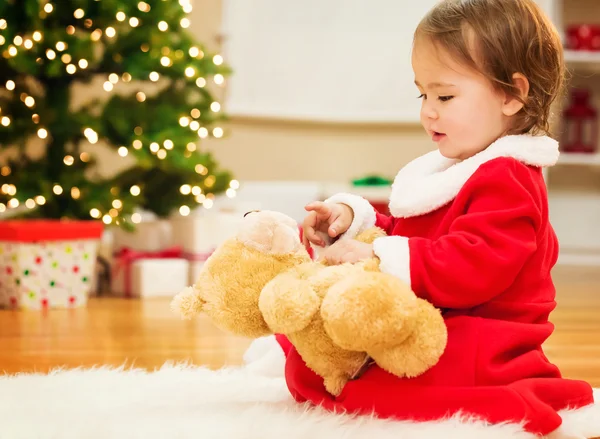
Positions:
{"x": 151, "y": 237}
{"x": 152, "y": 277}
{"x": 158, "y": 277}
{"x": 194, "y": 272}
{"x": 199, "y": 235}
{"x": 148, "y": 236}
{"x": 124, "y": 280}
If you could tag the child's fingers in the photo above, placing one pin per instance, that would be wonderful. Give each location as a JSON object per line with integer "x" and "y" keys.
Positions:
{"x": 314, "y": 238}
{"x": 306, "y": 242}
{"x": 309, "y": 229}
{"x": 319, "y": 207}
{"x": 337, "y": 227}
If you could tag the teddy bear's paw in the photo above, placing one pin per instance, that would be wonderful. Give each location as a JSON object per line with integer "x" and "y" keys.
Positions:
{"x": 369, "y": 310}
{"x": 270, "y": 232}
{"x": 419, "y": 352}
{"x": 288, "y": 304}
{"x": 187, "y": 303}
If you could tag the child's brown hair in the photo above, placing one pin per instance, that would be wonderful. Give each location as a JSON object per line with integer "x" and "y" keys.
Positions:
{"x": 500, "y": 38}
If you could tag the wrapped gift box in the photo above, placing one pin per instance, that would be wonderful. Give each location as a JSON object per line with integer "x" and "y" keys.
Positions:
{"x": 194, "y": 272}
{"x": 129, "y": 280}
{"x": 199, "y": 235}
{"x": 47, "y": 264}
{"x": 150, "y": 239}
{"x": 149, "y": 236}
{"x": 159, "y": 277}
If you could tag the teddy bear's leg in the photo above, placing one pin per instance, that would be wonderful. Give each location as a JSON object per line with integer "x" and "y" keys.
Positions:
{"x": 335, "y": 384}
{"x": 288, "y": 304}
{"x": 421, "y": 350}
{"x": 369, "y": 309}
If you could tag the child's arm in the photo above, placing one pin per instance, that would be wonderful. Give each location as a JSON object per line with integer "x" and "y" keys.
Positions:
{"x": 485, "y": 248}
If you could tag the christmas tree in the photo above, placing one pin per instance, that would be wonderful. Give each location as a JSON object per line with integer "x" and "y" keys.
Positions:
{"x": 153, "y": 102}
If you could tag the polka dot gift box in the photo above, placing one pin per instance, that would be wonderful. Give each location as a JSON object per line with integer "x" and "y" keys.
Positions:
{"x": 47, "y": 264}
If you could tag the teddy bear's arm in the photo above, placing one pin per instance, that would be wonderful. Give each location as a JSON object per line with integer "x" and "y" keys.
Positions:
{"x": 421, "y": 350}
{"x": 376, "y": 313}
{"x": 368, "y": 309}
{"x": 288, "y": 303}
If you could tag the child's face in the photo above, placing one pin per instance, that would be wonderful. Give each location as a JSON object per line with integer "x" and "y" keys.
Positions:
{"x": 461, "y": 111}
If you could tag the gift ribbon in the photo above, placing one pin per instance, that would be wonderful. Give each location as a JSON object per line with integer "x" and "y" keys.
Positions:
{"x": 126, "y": 256}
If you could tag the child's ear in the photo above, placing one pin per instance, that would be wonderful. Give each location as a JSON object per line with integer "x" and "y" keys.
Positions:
{"x": 512, "y": 105}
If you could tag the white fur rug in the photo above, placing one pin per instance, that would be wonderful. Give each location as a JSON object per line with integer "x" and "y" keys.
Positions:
{"x": 180, "y": 401}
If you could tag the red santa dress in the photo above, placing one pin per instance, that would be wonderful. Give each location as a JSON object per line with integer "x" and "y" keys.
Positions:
{"x": 473, "y": 238}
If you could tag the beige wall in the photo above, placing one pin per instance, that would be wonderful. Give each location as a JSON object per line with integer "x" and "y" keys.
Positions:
{"x": 280, "y": 150}
{"x": 265, "y": 150}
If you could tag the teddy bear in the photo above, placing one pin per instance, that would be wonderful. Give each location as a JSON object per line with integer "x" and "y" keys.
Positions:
{"x": 339, "y": 318}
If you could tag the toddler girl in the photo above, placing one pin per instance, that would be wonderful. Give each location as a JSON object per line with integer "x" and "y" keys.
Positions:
{"x": 469, "y": 229}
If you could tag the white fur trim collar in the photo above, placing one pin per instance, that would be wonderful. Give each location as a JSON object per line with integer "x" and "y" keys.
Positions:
{"x": 432, "y": 180}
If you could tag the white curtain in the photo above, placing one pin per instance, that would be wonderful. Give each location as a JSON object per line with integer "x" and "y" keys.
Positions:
{"x": 325, "y": 60}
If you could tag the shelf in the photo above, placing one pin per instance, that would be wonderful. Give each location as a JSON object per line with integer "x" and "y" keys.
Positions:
{"x": 580, "y": 56}
{"x": 567, "y": 158}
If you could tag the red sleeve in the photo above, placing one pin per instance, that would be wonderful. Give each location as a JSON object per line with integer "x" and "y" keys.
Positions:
{"x": 485, "y": 248}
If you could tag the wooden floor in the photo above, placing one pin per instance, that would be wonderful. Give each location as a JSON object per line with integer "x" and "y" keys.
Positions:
{"x": 144, "y": 333}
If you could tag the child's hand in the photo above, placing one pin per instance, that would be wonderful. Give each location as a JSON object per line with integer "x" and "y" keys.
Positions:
{"x": 332, "y": 219}
{"x": 347, "y": 250}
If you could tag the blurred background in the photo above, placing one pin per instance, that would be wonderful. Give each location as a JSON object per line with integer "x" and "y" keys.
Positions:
{"x": 152, "y": 126}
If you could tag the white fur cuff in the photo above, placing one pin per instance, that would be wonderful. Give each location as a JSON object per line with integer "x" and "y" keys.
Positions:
{"x": 394, "y": 256}
{"x": 364, "y": 213}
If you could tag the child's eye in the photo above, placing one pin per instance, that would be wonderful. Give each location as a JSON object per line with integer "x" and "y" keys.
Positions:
{"x": 423, "y": 96}
{"x": 445, "y": 98}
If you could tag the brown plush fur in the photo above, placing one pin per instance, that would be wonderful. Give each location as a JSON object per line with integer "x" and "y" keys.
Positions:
{"x": 263, "y": 281}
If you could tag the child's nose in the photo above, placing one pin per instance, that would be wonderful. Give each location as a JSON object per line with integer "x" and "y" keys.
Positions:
{"x": 429, "y": 112}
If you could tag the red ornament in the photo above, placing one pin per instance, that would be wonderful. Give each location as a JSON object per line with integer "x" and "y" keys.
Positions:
{"x": 13, "y": 301}
{"x": 44, "y": 303}
{"x": 583, "y": 37}
{"x": 75, "y": 269}
{"x": 38, "y": 260}
{"x": 72, "y": 300}
{"x": 9, "y": 270}
{"x": 581, "y": 124}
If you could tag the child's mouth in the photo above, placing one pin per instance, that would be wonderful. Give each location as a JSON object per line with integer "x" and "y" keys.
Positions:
{"x": 438, "y": 136}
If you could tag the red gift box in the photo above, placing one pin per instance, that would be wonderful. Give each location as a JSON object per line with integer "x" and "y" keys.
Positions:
{"x": 47, "y": 264}
{"x": 48, "y": 230}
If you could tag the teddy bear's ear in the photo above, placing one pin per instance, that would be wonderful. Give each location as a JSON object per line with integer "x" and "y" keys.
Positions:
{"x": 187, "y": 303}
